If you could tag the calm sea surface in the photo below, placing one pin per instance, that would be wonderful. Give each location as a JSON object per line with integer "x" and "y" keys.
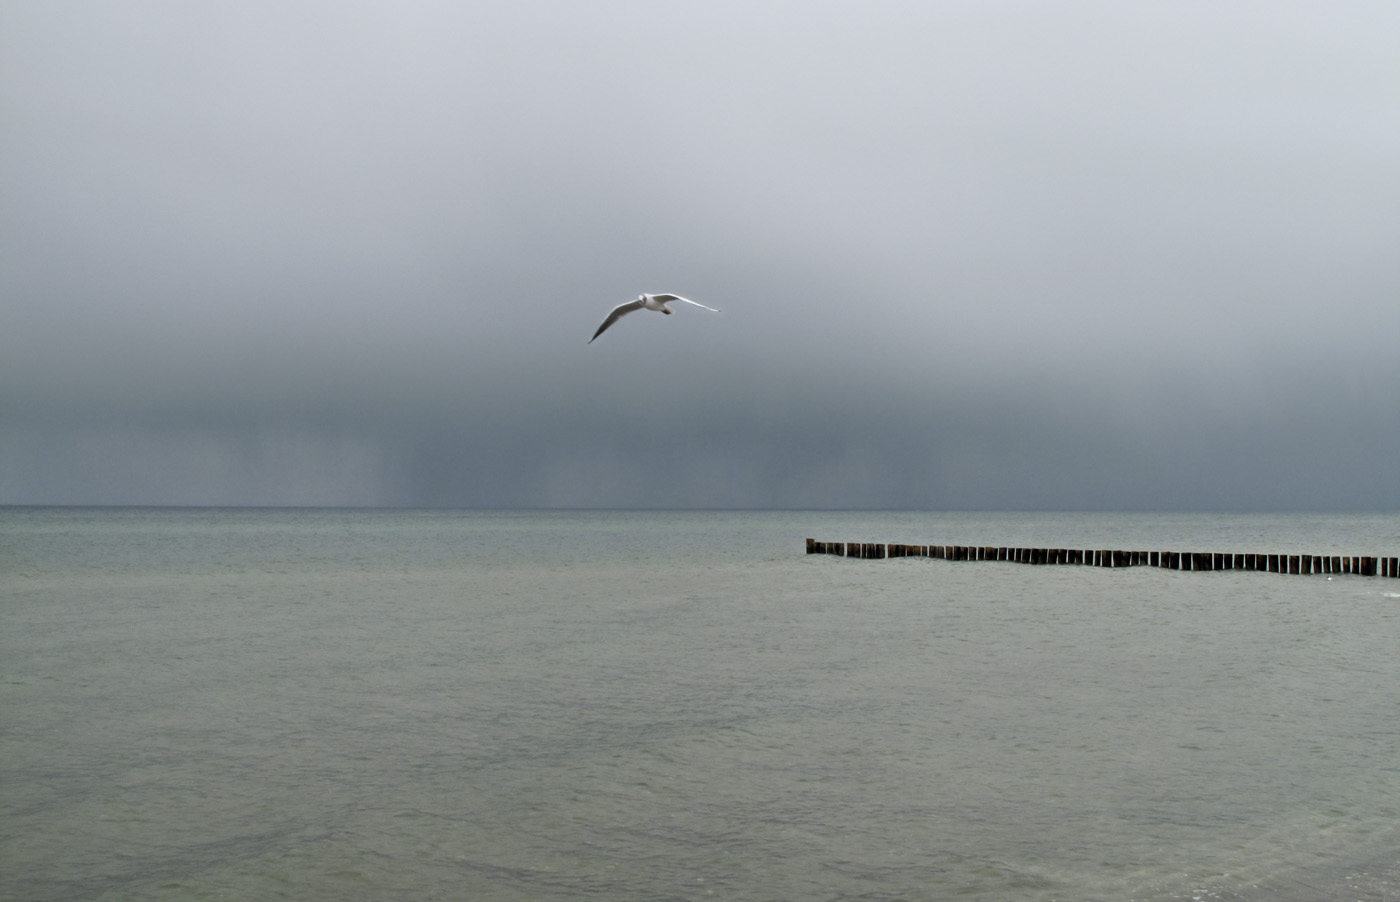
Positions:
{"x": 367, "y": 705}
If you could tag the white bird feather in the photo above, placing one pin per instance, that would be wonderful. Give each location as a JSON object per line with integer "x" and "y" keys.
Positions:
{"x": 656, "y": 302}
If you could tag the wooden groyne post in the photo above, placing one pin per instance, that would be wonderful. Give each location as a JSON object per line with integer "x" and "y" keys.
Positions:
{"x": 1296, "y": 564}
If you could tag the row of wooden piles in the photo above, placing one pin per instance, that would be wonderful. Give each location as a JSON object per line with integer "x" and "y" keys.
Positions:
{"x": 1302, "y": 564}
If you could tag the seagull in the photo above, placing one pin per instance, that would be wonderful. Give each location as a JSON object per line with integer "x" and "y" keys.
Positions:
{"x": 645, "y": 302}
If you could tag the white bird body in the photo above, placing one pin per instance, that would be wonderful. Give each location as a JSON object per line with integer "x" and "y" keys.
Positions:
{"x": 656, "y": 302}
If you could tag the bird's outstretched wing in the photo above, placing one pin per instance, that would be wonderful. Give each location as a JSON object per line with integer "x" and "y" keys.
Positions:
{"x": 676, "y": 297}
{"x": 616, "y": 314}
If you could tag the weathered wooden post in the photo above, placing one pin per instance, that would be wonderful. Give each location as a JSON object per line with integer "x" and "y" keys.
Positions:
{"x": 1305, "y": 564}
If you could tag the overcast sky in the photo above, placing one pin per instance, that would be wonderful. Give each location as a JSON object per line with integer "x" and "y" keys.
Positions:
{"x": 968, "y": 254}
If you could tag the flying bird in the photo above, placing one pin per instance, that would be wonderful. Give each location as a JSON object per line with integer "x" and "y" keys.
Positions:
{"x": 645, "y": 302}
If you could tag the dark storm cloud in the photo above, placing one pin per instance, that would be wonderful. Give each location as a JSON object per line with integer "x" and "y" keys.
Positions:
{"x": 968, "y": 255}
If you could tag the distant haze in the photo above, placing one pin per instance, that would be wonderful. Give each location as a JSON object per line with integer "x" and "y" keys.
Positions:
{"x": 969, "y": 255}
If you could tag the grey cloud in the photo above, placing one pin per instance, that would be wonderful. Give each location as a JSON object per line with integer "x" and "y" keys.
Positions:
{"x": 1082, "y": 255}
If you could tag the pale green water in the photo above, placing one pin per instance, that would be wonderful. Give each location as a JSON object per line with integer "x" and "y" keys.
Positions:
{"x": 368, "y": 705}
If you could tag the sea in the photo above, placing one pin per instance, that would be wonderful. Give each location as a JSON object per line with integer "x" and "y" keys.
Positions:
{"x": 644, "y": 705}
